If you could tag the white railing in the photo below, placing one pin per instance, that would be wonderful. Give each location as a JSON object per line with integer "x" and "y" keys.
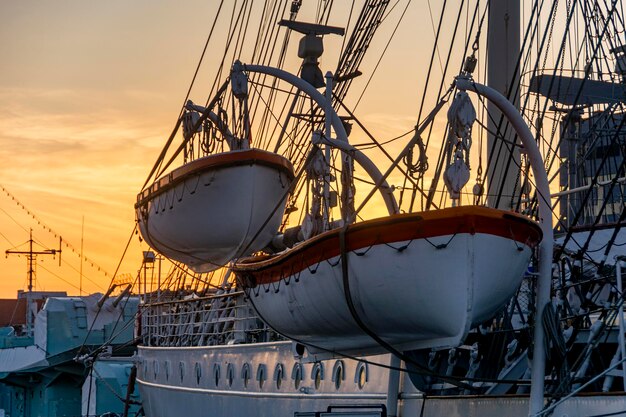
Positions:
{"x": 219, "y": 319}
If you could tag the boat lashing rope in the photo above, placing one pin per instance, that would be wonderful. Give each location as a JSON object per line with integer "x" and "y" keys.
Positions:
{"x": 357, "y": 318}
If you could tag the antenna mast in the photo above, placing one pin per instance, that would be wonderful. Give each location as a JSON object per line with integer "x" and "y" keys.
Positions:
{"x": 31, "y": 259}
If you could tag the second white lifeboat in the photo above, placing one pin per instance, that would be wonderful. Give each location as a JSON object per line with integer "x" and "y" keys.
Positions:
{"x": 418, "y": 280}
{"x": 217, "y": 208}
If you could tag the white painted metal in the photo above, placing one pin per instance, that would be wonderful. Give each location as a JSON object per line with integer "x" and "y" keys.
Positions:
{"x": 89, "y": 396}
{"x": 549, "y": 409}
{"x": 167, "y": 396}
{"x": 213, "y": 217}
{"x": 393, "y": 387}
{"x": 420, "y": 297}
{"x": 164, "y": 391}
{"x": 545, "y": 222}
{"x": 233, "y": 144}
{"x": 598, "y": 185}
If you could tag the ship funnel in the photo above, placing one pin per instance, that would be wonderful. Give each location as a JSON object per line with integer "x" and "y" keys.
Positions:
{"x": 311, "y": 47}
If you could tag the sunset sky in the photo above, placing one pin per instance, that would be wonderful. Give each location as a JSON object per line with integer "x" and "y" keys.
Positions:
{"x": 90, "y": 90}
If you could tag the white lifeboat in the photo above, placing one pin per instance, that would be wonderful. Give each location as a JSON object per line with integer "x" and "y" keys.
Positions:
{"x": 418, "y": 280}
{"x": 217, "y": 208}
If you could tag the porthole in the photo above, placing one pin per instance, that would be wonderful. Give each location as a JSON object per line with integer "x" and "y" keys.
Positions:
{"x": 167, "y": 370}
{"x": 145, "y": 368}
{"x": 245, "y": 374}
{"x": 216, "y": 374}
{"x": 296, "y": 375}
{"x": 261, "y": 375}
{"x": 338, "y": 374}
{"x": 317, "y": 374}
{"x": 317, "y": 378}
{"x": 181, "y": 369}
{"x": 155, "y": 368}
{"x": 361, "y": 377}
{"x": 279, "y": 374}
{"x": 338, "y": 377}
{"x": 198, "y": 373}
{"x": 230, "y": 374}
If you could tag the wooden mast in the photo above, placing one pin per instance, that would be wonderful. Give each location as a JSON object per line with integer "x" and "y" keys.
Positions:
{"x": 503, "y": 76}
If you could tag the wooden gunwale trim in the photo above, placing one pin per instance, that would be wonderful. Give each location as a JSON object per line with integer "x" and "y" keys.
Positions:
{"x": 389, "y": 230}
{"x": 213, "y": 162}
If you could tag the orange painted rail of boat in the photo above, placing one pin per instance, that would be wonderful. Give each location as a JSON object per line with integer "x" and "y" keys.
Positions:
{"x": 213, "y": 162}
{"x": 389, "y": 230}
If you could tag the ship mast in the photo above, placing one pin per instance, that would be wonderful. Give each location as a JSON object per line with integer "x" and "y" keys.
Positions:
{"x": 503, "y": 76}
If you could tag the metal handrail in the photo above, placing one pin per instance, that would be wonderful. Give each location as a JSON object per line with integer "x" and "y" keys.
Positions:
{"x": 202, "y": 321}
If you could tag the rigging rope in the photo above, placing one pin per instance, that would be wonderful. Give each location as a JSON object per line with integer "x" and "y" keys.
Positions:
{"x": 82, "y": 346}
{"x": 157, "y": 164}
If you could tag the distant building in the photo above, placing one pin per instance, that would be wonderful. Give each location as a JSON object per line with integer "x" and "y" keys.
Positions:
{"x": 13, "y": 311}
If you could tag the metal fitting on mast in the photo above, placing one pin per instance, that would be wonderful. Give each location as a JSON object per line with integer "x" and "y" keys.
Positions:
{"x": 311, "y": 47}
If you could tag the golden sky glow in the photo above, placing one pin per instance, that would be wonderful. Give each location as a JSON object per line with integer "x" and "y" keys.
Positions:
{"x": 89, "y": 91}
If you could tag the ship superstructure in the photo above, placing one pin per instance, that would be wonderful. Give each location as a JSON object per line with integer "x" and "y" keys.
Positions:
{"x": 39, "y": 371}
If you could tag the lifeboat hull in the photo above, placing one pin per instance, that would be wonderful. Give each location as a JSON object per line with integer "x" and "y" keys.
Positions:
{"x": 418, "y": 280}
{"x": 217, "y": 208}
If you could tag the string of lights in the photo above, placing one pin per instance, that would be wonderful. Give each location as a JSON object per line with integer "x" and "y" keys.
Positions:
{"x": 44, "y": 226}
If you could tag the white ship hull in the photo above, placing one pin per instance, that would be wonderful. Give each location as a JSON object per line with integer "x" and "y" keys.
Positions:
{"x": 169, "y": 395}
{"x": 166, "y": 394}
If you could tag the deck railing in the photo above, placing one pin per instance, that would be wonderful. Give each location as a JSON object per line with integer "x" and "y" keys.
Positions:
{"x": 219, "y": 319}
